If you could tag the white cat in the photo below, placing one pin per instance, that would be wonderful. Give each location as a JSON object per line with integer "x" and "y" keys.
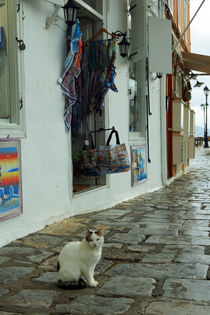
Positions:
{"x": 77, "y": 261}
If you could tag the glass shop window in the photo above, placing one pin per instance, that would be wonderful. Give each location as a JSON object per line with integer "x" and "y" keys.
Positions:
{"x": 137, "y": 70}
{"x": 9, "y": 105}
{"x": 85, "y": 119}
{"x": 137, "y": 98}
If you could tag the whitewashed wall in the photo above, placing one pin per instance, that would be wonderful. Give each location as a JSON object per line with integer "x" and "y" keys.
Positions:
{"x": 46, "y": 151}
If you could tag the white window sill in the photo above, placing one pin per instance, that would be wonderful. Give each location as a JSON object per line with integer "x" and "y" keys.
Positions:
{"x": 8, "y": 130}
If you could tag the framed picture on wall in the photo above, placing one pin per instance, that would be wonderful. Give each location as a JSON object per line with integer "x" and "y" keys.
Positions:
{"x": 10, "y": 178}
{"x": 138, "y": 164}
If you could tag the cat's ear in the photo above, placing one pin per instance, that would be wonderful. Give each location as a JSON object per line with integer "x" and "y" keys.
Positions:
{"x": 88, "y": 234}
{"x": 100, "y": 232}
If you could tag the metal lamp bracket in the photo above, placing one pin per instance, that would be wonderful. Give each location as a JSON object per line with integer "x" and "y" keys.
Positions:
{"x": 51, "y": 19}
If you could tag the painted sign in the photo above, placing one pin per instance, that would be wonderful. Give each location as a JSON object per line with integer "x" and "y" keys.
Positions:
{"x": 10, "y": 179}
{"x": 138, "y": 164}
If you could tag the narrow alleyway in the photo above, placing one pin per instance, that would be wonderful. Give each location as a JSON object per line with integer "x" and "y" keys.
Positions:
{"x": 155, "y": 261}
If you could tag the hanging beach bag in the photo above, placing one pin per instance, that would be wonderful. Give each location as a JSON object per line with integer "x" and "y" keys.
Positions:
{"x": 108, "y": 159}
{"x": 113, "y": 158}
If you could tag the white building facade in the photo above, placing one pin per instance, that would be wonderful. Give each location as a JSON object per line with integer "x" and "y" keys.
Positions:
{"x": 48, "y": 189}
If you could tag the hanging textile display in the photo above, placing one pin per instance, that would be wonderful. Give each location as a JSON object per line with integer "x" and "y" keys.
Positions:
{"x": 95, "y": 79}
{"x": 72, "y": 71}
{"x": 102, "y": 55}
{"x": 89, "y": 74}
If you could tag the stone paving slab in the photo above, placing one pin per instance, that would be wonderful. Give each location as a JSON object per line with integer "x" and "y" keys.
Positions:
{"x": 3, "y": 291}
{"x": 184, "y": 240}
{"x": 158, "y": 258}
{"x": 199, "y": 233}
{"x": 38, "y": 240}
{"x": 197, "y": 224}
{"x": 141, "y": 248}
{"x": 66, "y": 227}
{"x": 191, "y": 249}
{"x": 33, "y": 298}
{"x": 110, "y": 214}
{"x": 10, "y": 274}
{"x": 174, "y": 307}
{"x": 193, "y": 258}
{"x": 93, "y": 304}
{"x": 197, "y": 290}
{"x": 158, "y": 231}
{"x": 47, "y": 278}
{"x": 191, "y": 271}
{"x": 3, "y": 259}
{"x": 128, "y": 286}
{"x": 133, "y": 237}
{"x": 16, "y": 251}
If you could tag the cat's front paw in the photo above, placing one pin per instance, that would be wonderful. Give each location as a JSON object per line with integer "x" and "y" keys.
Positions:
{"x": 93, "y": 284}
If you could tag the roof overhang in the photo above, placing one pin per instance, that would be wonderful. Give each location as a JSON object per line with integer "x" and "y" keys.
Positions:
{"x": 196, "y": 62}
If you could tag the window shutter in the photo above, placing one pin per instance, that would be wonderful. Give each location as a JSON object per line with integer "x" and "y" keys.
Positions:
{"x": 138, "y": 27}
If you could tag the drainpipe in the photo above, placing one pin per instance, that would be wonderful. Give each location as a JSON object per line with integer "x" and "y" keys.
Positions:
{"x": 163, "y": 136}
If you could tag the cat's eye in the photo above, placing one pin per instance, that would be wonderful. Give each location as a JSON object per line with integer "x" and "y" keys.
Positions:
{"x": 98, "y": 239}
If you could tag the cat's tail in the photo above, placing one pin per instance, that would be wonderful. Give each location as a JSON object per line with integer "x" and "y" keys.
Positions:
{"x": 71, "y": 285}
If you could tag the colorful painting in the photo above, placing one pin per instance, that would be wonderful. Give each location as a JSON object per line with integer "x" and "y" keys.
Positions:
{"x": 138, "y": 164}
{"x": 10, "y": 179}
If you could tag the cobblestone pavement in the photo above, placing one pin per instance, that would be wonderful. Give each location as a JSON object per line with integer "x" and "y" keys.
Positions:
{"x": 155, "y": 260}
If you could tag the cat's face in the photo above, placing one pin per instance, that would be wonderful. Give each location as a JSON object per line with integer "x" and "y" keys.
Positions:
{"x": 95, "y": 239}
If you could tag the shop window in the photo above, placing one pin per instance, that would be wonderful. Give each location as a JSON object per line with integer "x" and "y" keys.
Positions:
{"x": 84, "y": 119}
{"x": 137, "y": 98}
{"x": 11, "y": 71}
{"x": 9, "y": 109}
{"x": 137, "y": 70}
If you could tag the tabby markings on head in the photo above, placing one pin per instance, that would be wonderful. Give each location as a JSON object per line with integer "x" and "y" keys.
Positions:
{"x": 90, "y": 232}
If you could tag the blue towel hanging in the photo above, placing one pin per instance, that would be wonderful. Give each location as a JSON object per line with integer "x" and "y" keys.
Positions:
{"x": 2, "y": 37}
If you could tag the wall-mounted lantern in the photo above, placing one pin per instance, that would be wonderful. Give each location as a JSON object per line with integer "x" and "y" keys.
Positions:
{"x": 124, "y": 44}
{"x": 70, "y": 12}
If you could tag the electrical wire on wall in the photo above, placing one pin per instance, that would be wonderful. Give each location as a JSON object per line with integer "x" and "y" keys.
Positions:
{"x": 148, "y": 109}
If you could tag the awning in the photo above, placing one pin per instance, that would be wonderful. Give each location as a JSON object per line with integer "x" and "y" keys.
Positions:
{"x": 196, "y": 62}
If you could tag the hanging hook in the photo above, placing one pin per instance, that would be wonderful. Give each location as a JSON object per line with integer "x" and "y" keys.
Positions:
{"x": 21, "y": 44}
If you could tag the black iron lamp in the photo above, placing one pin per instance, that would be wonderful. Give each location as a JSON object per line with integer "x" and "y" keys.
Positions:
{"x": 124, "y": 44}
{"x": 70, "y": 12}
{"x": 206, "y": 92}
{"x": 198, "y": 84}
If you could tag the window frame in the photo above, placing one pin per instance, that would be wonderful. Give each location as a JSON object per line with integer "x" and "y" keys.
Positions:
{"x": 14, "y": 126}
{"x": 140, "y": 134}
